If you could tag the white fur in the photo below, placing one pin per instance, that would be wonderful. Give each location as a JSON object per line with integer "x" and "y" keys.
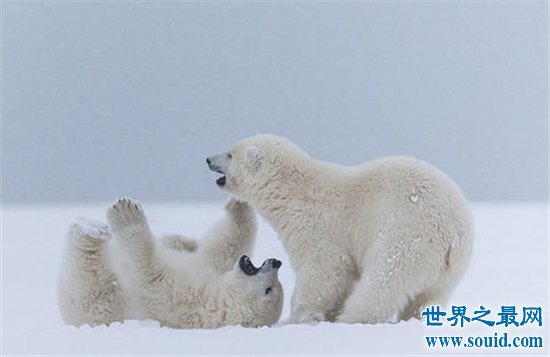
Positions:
{"x": 368, "y": 243}
{"x": 120, "y": 272}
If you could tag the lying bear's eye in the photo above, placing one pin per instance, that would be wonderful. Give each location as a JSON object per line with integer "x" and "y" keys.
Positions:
{"x": 229, "y": 155}
{"x": 268, "y": 290}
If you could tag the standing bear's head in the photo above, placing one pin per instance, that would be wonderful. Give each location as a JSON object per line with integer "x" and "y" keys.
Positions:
{"x": 254, "y": 296}
{"x": 254, "y": 163}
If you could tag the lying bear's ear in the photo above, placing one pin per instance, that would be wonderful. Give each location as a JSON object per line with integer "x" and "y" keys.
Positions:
{"x": 253, "y": 157}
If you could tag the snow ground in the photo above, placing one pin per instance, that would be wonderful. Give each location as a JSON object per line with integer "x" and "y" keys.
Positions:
{"x": 509, "y": 267}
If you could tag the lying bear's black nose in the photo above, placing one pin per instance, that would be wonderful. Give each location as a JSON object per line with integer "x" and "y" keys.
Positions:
{"x": 274, "y": 263}
{"x": 208, "y": 161}
{"x": 270, "y": 265}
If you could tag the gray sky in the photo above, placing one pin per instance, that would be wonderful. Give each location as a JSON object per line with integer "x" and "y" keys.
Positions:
{"x": 103, "y": 100}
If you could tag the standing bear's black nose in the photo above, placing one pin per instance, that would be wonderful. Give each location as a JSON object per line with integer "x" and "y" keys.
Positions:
{"x": 208, "y": 160}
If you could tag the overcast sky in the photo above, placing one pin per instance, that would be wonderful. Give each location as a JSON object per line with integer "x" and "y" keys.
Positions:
{"x": 102, "y": 100}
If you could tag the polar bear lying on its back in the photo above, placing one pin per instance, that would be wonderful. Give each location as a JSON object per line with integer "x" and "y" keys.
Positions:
{"x": 179, "y": 282}
{"x": 368, "y": 243}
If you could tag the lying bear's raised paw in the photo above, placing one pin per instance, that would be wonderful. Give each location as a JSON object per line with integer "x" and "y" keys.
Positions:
{"x": 238, "y": 208}
{"x": 234, "y": 204}
{"x": 125, "y": 212}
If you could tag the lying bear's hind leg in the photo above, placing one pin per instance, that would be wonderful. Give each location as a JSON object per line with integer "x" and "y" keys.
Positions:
{"x": 88, "y": 236}
{"x": 88, "y": 289}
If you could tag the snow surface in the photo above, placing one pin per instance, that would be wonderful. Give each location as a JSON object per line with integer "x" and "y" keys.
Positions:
{"x": 509, "y": 267}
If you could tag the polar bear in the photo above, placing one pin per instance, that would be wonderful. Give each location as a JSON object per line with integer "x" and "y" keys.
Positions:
{"x": 120, "y": 272}
{"x": 372, "y": 243}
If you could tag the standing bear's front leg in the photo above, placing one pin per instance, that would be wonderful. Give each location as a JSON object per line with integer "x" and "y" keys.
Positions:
{"x": 323, "y": 282}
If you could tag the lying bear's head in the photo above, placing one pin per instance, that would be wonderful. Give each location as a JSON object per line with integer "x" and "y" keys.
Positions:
{"x": 252, "y": 164}
{"x": 254, "y": 296}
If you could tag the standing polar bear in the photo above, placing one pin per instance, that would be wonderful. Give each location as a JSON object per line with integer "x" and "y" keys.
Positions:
{"x": 368, "y": 243}
{"x": 119, "y": 272}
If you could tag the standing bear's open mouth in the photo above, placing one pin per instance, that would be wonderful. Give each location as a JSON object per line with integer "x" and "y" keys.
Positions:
{"x": 212, "y": 165}
{"x": 220, "y": 181}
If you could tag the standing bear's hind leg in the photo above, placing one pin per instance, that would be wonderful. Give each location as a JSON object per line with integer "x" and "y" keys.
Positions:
{"x": 372, "y": 302}
{"x": 394, "y": 279}
{"x": 89, "y": 292}
{"x": 433, "y": 296}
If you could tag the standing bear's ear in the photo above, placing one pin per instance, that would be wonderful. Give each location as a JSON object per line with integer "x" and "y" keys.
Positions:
{"x": 253, "y": 158}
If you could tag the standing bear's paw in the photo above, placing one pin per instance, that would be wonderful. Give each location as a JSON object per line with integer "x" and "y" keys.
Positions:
{"x": 126, "y": 215}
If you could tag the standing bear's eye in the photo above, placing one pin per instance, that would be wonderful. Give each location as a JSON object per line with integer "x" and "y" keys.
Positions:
{"x": 268, "y": 290}
{"x": 229, "y": 155}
